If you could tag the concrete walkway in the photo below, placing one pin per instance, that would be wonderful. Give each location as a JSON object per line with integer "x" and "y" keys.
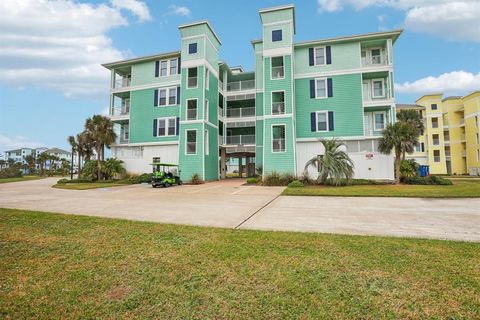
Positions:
{"x": 230, "y": 204}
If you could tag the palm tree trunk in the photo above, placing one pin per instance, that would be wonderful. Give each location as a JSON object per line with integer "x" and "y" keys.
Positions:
{"x": 99, "y": 167}
{"x": 397, "y": 168}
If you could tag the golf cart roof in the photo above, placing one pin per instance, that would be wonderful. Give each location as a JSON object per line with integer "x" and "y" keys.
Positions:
{"x": 164, "y": 164}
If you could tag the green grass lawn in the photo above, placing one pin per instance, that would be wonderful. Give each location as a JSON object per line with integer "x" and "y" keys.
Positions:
{"x": 24, "y": 178}
{"x": 459, "y": 189}
{"x": 72, "y": 267}
{"x": 87, "y": 185}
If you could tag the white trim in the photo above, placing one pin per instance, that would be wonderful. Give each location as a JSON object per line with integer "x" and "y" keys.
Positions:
{"x": 206, "y": 104}
{"x": 339, "y": 138}
{"x": 168, "y": 67}
{"x": 206, "y": 75}
{"x": 284, "y": 102}
{"x": 271, "y": 68}
{"x": 383, "y": 87}
{"x": 342, "y": 72}
{"x": 326, "y": 121}
{"x": 186, "y": 142}
{"x": 324, "y": 56}
{"x": 138, "y": 144}
{"x": 271, "y": 136}
{"x": 199, "y": 62}
{"x": 277, "y": 22}
{"x": 206, "y": 143}
{"x": 187, "y": 87}
{"x": 166, "y": 119}
{"x": 167, "y": 97}
{"x": 145, "y": 86}
{"x": 384, "y": 113}
{"x": 326, "y": 88}
{"x": 186, "y": 109}
{"x": 282, "y": 51}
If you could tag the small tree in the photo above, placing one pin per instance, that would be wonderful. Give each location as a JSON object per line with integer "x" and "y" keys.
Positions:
{"x": 334, "y": 163}
{"x": 399, "y": 138}
{"x": 100, "y": 130}
{"x": 413, "y": 119}
{"x": 112, "y": 167}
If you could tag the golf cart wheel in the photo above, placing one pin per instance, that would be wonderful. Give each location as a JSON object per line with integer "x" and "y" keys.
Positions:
{"x": 154, "y": 185}
{"x": 179, "y": 182}
{"x": 166, "y": 185}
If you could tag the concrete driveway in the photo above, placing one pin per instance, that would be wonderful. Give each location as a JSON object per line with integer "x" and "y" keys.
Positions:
{"x": 230, "y": 204}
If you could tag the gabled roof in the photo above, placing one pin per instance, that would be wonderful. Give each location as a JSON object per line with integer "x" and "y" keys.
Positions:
{"x": 196, "y": 23}
{"x": 153, "y": 57}
{"x": 394, "y": 34}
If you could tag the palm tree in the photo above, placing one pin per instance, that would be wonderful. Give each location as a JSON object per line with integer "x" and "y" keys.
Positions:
{"x": 100, "y": 130}
{"x": 113, "y": 167}
{"x": 30, "y": 161}
{"x": 42, "y": 161}
{"x": 412, "y": 118}
{"x": 399, "y": 137}
{"x": 3, "y": 163}
{"x": 334, "y": 163}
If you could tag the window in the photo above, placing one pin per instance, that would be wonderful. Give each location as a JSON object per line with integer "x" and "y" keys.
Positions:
{"x": 320, "y": 56}
{"x": 434, "y": 106}
{"x": 434, "y": 122}
{"x": 207, "y": 79}
{"x": 278, "y": 102}
{"x": 192, "y": 109}
{"x": 192, "y": 77}
{"x": 166, "y": 127}
{"x": 277, "y": 68}
{"x": 173, "y": 66}
{"x": 376, "y": 56}
{"x": 477, "y": 124}
{"x": 322, "y": 121}
{"x": 163, "y": 68}
{"x": 205, "y": 142}
{"x": 276, "y": 35}
{"x": 126, "y": 132}
{"x": 192, "y": 48}
{"x": 377, "y": 87}
{"x": 436, "y": 155}
{"x": 191, "y": 146}
{"x": 379, "y": 121}
{"x": 172, "y": 96}
{"x": 436, "y": 139}
{"x": 478, "y": 155}
{"x": 320, "y": 88}
{"x": 278, "y": 138}
{"x": 420, "y": 147}
{"x": 478, "y": 138}
{"x": 205, "y": 110}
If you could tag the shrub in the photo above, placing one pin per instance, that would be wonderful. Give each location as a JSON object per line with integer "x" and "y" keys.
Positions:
{"x": 89, "y": 170}
{"x": 196, "y": 179}
{"x": 408, "y": 168}
{"x": 252, "y": 180}
{"x": 295, "y": 184}
{"x": 11, "y": 172}
{"x": 430, "y": 180}
{"x": 63, "y": 181}
{"x": 354, "y": 182}
{"x": 276, "y": 179}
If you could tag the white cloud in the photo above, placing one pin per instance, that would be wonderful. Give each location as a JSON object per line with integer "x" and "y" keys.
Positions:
{"x": 16, "y": 142}
{"x": 456, "y": 82}
{"x": 453, "y": 20}
{"x": 60, "y": 44}
{"x": 178, "y": 10}
{"x": 138, "y": 8}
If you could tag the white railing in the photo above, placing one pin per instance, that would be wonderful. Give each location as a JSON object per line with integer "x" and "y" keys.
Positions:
{"x": 278, "y": 72}
{"x": 220, "y": 85}
{"x": 220, "y": 140}
{"x": 220, "y": 112}
{"x": 119, "y": 111}
{"x": 278, "y": 145}
{"x": 122, "y": 82}
{"x": 192, "y": 114}
{"x": 462, "y": 137}
{"x": 241, "y": 85}
{"x": 241, "y": 112}
{"x": 278, "y": 107}
{"x": 241, "y": 139}
{"x": 372, "y": 61}
{"x": 368, "y": 93}
{"x": 192, "y": 82}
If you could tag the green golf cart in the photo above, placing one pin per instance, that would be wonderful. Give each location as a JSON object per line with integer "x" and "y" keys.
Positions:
{"x": 165, "y": 174}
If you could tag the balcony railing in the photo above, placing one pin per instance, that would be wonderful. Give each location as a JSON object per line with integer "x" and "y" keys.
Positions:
{"x": 123, "y": 140}
{"x": 221, "y": 141}
{"x": 369, "y": 97}
{"x": 462, "y": 137}
{"x": 278, "y": 145}
{"x": 241, "y": 139}
{"x": 122, "y": 82}
{"x": 464, "y": 153}
{"x": 192, "y": 114}
{"x": 120, "y": 111}
{"x": 278, "y": 107}
{"x": 278, "y": 72}
{"x": 241, "y": 112}
{"x": 220, "y": 112}
{"x": 220, "y": 85}
{"x": 462, "y": 122}
{"x": 241, "y": 85}
{"x": 192, "y": 82}
{"x": 372, "y": 61}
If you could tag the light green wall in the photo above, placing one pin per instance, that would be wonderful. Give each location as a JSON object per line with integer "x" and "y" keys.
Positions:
{"x": 211, "y": 160}
{"x": 142, "y": 113}
{"x": 344, "y": 56}
{"x": 191, "y": 164}
{"x": 283, "y": 162}
{"x": 346, "y": 104}
{"x": 286, "y": 36}
{"x": 144, "y": 73}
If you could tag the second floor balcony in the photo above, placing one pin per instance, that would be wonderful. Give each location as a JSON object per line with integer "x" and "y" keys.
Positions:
{"x": 241, "y": 85}
{"x": 245, "y": 139}
{"x": 243, "y": 112}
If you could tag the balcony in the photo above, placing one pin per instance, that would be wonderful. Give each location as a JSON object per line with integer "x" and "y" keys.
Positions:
{"x": 241, "y": 85}
{"x": 462, "y": 137}
{"x": 241, "y": 139}
{"x": 221, "y": 141}
{"x": 464, "y": 153}
{"x": 462, "y": 122}
{"x": 220, "y": 112}
{"x": 376, "y": 97}
{"x": 122, "y": 82}
{"x": 374, "y": 61}
{"x": 244, "y": 112}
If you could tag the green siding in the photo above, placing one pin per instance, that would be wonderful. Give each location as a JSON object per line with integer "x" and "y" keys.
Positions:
{"x": 211, "y": 160}
{"x": 191, "y": 164}
{"x": 259, "y": 104}
{"x": 345, "y": 56}
{"x": 278, "y": 85}
{"x": 283, "y": 162}
{"x": 286, "y": 36}
{"x": 142, "y": 113}
{"x": 346, "y": 104}
{"x": 259, "y": 143}
{"x": 144, "y": 74}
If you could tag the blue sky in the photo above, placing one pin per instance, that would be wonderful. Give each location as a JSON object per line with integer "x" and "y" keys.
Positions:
{"x": 51, "y": 51}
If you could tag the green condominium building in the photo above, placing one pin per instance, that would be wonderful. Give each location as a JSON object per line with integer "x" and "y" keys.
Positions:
{"x": 191, "y": 108}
